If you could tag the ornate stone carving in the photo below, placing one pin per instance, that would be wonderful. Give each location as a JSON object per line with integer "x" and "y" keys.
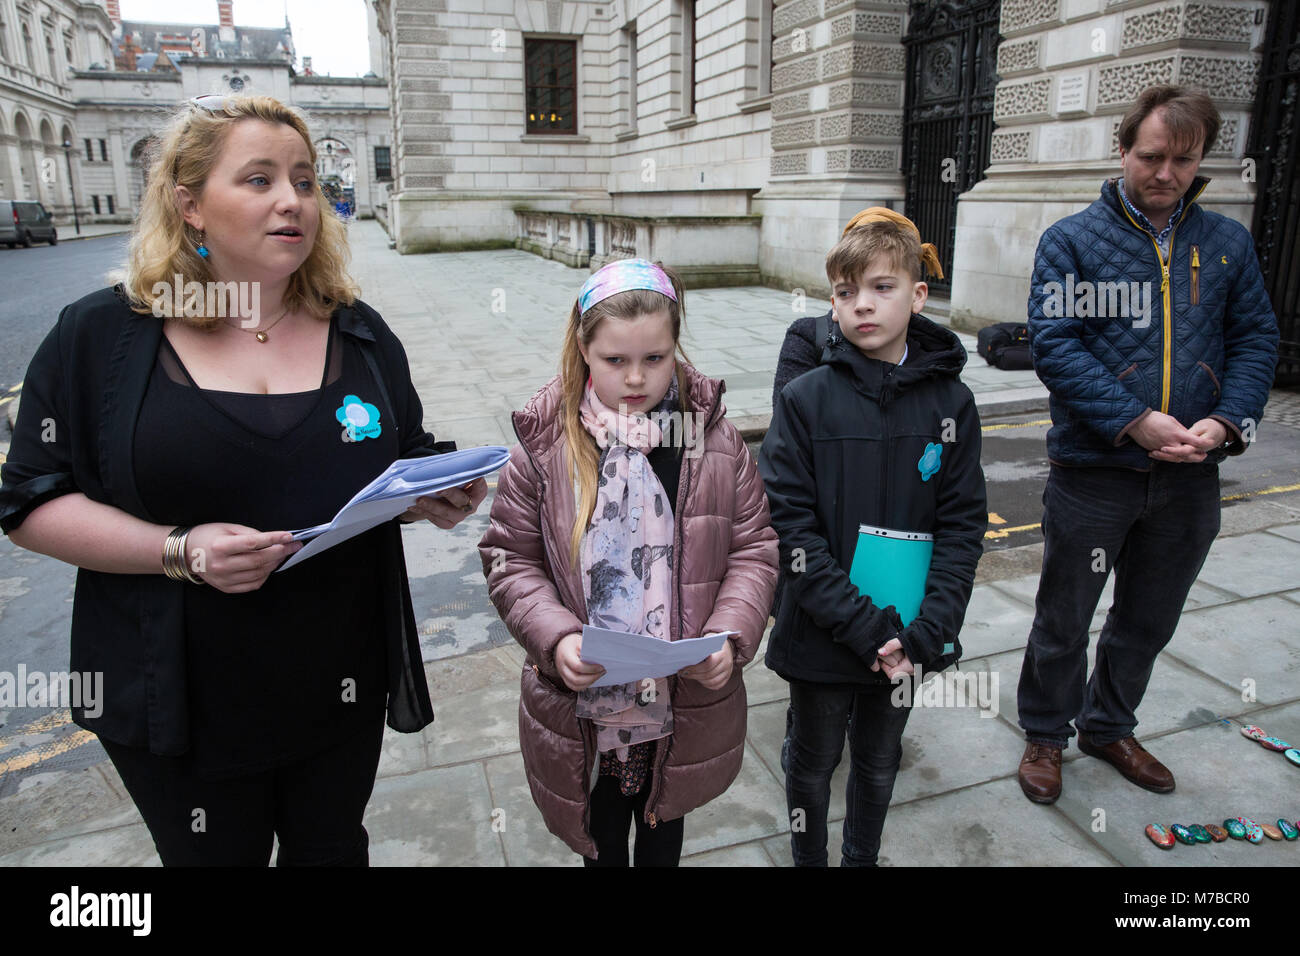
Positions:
{"x": 873, "y": 159}
{"x": 864, "y": 58}
{"x": 1148, "y": 27}
{"x": 786, "y": 164}
{"x": 789, "y": 134}
{"x": 1226, "y": 78}
{"x": 1018, "y": 56}
{"x": 790, "y": 103}
{"x": 1021, "y": 14}
{"x": 887, "y": 93}
{"x": 790, "y": 15}
{"x": 1022, "y": 99}
{"x": 799, "y": 73}
{"x": 1120, "y": 85}
{"x": 859, "y": 127}
{"x": 1010, "y": 146}
{"x": 885, "y": 24}
{"x": 1226, "y": 144}
{"x": 1212, "y": 21}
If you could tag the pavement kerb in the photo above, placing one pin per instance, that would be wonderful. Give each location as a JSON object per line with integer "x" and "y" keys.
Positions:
{"x": 12, "y": 411}
{"x": 754, "y": 427}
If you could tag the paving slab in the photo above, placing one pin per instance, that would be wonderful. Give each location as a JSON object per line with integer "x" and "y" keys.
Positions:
{"x": 122, "y": 846}
{"x": 1255, "y": 640}
{"x": 747, "y": 854}
{"x": 1177, "y": 696}
{"x": 63, "y": 803}
{"x": 1219, "y": 774}
{"x": 753, "y": 808}
{"x": 524, "y": 836}
{"x": 438, "y": 817}
{"x": 996, "y": 621}
{"x": 988, "y": 825}
{"x": 482, "y": 723}
{"x": 1242, "y": 565}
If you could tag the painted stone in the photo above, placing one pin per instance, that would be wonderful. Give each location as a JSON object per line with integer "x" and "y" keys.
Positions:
{"x": 1200, "y": 834}
{"x": 1217, "y": 834}
{"x": 1236, "y": 829}
{"x": 1289, "y": 831}
{"x": 1293, "y": 755}
{"x": 1254, "y": 833}
{"x": 1160, "y": 836}
{"x": 1270, "y": 831}
{"x": 1253, "y": 732}
{"x": 1183, "y": 833}
{"x": 1274, "y": 743}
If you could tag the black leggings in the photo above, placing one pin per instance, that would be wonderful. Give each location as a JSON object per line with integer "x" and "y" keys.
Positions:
{"x": 314, "y": 806}
{"x": 611, "y": 815}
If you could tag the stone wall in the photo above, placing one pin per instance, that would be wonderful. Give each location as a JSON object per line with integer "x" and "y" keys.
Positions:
{"x": 1069, "y": 70}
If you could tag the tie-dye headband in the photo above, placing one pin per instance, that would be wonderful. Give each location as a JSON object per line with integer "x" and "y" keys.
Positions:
{"x": 624, "y": 275}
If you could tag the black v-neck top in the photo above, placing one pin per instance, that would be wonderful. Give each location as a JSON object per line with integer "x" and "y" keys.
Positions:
{"x": 278, "y": 673}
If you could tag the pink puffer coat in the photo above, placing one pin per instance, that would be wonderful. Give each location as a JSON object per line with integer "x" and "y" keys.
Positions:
{"x": 725, "y": 573}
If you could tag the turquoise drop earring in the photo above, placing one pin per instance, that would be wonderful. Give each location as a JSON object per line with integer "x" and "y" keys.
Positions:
{"x": 202, "y": 250}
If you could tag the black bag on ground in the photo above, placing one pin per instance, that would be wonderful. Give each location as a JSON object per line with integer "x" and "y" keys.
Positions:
{"x": 1005, "y": 345}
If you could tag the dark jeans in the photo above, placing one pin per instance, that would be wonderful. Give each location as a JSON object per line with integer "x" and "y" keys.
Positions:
{"x": 314, "y": 806}
{"x": 1155, "y": 529}
{"x": 874, "y": 725}
{"x": 612, "y": 815}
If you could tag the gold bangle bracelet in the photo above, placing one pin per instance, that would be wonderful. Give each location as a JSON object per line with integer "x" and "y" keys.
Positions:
{"x": 184, "y": 562}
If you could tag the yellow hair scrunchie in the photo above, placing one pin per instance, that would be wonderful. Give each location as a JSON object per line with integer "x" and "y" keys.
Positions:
{"x": 929, "y": 252}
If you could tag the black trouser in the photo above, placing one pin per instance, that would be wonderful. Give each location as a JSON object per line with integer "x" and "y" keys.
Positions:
{"x": 612, "y": 814}
{"x": 874, "y": 725}
{"x": 314, "y": 806}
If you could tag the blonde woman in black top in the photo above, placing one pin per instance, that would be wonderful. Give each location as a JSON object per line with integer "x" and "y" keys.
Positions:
{"x": 166, "y": 446}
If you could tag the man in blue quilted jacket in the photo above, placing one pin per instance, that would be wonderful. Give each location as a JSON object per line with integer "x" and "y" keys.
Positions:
{"x": 1150, "y": 325}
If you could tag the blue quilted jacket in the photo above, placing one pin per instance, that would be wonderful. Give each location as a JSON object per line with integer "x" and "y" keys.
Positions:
{"x": 1116, "y": 330}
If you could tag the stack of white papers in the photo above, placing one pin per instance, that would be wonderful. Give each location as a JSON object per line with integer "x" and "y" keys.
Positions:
{"x": 634, "y": 657}
{"x": 394, "y": 491}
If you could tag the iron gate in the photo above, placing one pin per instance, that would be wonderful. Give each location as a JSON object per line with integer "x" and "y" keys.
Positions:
{"x": 1275, "y": 147}
{"x": 948, "y": 113}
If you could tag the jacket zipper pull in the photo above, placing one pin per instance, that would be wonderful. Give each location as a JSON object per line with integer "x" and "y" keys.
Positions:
{"x": 1196, "y": 271}
{"x": 653, "y": 821}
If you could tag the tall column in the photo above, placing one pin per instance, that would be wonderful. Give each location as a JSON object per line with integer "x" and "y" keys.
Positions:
{"x": 123, "y": 201}
{"x": 837, "y": 125}
{"x": 1069, "y": 71}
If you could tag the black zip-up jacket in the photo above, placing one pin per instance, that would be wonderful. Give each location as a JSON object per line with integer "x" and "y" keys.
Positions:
{"x": 846, "y": 448}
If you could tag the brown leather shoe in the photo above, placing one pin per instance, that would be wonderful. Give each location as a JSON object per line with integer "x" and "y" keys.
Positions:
{"x": 1040, "y": 772}
{"x": 1132, "y": 760}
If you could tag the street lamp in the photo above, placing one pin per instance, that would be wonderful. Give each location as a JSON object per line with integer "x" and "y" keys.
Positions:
{"x": 72, "y": 186}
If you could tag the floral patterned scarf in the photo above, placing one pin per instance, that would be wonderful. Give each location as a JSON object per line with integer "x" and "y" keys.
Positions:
{"x": 627, "y": 563}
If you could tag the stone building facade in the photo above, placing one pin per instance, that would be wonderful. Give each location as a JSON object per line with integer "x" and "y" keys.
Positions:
{"x": 734, "y": 138}
{"x": 107, "y": 113}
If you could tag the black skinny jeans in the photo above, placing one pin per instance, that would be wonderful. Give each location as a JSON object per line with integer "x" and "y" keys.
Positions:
{"x": 821, "y": 717}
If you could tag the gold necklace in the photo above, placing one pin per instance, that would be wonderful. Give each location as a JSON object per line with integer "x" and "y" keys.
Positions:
{"x": 261, "y": 333}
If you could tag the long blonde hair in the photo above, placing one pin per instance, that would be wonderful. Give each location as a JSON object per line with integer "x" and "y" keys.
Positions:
{"x": 584, "y": 457}
{"x": 163, "y": 245}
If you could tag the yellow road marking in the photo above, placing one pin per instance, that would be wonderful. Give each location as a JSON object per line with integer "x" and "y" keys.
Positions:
{"x": 995, "y": 518}
{"x": 994, "y": 428}
{"x": 1274, "y": 490}
{"x": 6, "y": 400}
{"x": 30, "y": 758}
{"x": 16, "y": 388}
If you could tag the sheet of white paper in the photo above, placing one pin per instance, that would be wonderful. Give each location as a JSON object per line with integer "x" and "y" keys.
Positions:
{"x": 634, "y": 657}
{"x": 394, "y": 491}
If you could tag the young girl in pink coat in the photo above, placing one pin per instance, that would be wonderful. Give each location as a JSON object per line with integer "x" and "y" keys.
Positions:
{"x": 630, "y": 503}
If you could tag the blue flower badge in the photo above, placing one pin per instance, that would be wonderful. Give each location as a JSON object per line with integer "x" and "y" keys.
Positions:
{"x": 928, "y": 464}
{"x": 360, "y": 420}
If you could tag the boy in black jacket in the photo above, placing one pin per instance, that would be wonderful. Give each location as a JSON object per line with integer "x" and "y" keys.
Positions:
{"x": 883, "y": 434}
